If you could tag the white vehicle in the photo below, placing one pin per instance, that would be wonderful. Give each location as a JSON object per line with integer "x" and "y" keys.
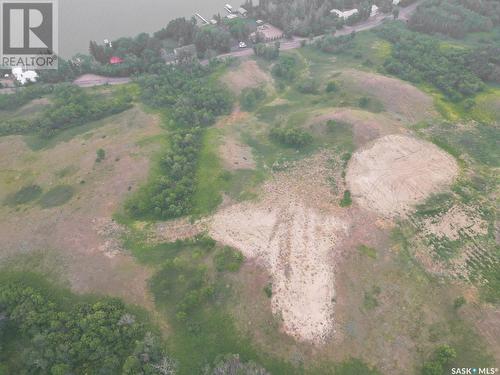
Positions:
{"x": 242, "y": 45}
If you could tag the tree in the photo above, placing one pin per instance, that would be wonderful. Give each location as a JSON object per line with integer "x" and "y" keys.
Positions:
{"x": 395, "y": 13}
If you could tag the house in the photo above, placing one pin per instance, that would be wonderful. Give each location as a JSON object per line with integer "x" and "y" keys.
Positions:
{"x": 231, "y": 16}
{"x": 242, "y": 11}
{"x": 266, "y": 33}
{"x": 344, "y": 14}
{"x": 228, "y": 8}
{"x": 259, "y": 22}
{"x": 114, "y": 60}
{"x": 23, "y": 76}
{"x": 374, "y": 11}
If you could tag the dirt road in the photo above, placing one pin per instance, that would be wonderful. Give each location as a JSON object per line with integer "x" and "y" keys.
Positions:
{"x": 90, "y": 80}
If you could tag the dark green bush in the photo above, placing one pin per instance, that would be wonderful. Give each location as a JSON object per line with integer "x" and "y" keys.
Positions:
{"x": 291, "y": 137}
{"x": 251, "y": 97}
{"x": 24, "y": 195}
{"x": 228, "y": 259}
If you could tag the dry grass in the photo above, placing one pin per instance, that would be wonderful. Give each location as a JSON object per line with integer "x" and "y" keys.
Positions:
{"x": 398, "y": 97}
{"x": 80, "y": 230}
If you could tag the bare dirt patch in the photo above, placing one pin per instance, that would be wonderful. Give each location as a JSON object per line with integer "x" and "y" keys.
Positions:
{"x": 247, "y": 74}
{"x": 457, "y": 221}
{"x": 174, "y": 230}
{"x": 395, "y": 172}
{"x": 295, "y": 232}
{"x": 236, "y": 155}
{"x": 81, "y": 230}
{"x": 397, "y": 96}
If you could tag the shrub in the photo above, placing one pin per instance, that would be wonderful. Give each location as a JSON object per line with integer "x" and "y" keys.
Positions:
{"x": 332, "y": 44}
{"x": 101, "y": 154}
{"x": 459, "y": 302}
{"x": 56, "y": 196}
{"x": 364, "y": 102}
{"x": 331, "y": 86}
{"x": 251, "y": 97}
{"x": 308, "y": 86}
{"x": 268, "y": 289}
{"x": 24, "y": 195}
{"x": 441, "y": 357}
{"x": 291, "y": 137}
{"x": 228, "y": 259}
{"x": 346, "y": 199}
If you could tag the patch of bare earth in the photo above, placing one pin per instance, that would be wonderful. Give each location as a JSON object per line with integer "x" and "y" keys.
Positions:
{"x": 395, "y": 172}
{"x": 236, "y": 155}
{"x": 397, "y": 96}
{"x": 247, "y": 74}
{"x": 295, "y": 231}
{"x": 459, "y": 222}
{"x": 174, "y": 230}
{"x": 81, "y": 230}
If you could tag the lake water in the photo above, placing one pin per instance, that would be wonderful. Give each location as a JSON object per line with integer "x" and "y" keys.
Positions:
{"x": 85, "y": 20}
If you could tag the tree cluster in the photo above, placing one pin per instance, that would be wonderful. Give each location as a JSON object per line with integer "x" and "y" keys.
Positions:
{"x": 102, "y": 337}
{"x": 267, "y": 52}
{"x": 193, "y": 101}
{"x": 452, "y": 18}
{"x": 23, "y": 95}
{"x": 138, "y": 54}
{"x": 285, "y": 69}
{"x": 181, "y": 30}
{"x": 419, "y": 58}
{"x": 212, "y": 38}
{"x": 71, "y": 106}
{"x": 335, "y": 44}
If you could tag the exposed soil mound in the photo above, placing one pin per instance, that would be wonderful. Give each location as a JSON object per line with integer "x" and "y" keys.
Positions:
{"x": 295, "y": 232}
{"x": 396, "y": 172}
{"x": 247, "y": 74}
{"x": 397, "y": 96}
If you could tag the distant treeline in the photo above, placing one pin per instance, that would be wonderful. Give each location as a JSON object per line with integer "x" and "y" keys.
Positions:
{"x": 455, "y": 18}
{"x": 22, "y": 96}
{"x": 457, "y": 72}
{"x": 192, "y": 100}
{"x": 71, "y": 106}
